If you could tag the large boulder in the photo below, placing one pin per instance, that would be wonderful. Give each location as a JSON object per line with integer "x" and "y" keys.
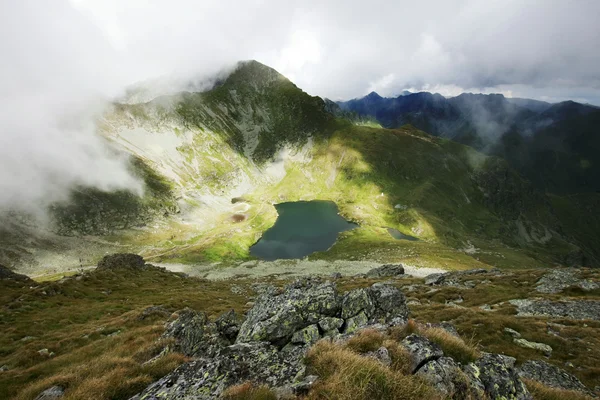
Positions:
{"x": 559, "y": 279}
{"x": 276, "y": 317}
{"x": 356, "y": 301}
{"x": 421, "y": 350}
{"x": 496, "y": 375}
{"x": 208, "y": 377}
{"x": 53, "y": 393}
{"x": 390, "y": 304}
{"x": 573, "y": 309}
{"x": 385, "y": 271}
{"x": 121, "y": 260}
{"x": 445, "y": 375}
{"x": 194, "y": 334}
{"x": 551, "y": 375}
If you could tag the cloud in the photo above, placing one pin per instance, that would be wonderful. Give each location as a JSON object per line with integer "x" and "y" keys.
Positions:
{"x": 63, "y": 59}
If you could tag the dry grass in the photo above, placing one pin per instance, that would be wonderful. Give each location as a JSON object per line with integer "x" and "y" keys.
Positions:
{"x": 541, "y": 392}
{"x": 365, "y": 341}
{"x": 345, "y": 375}
{"x": 248, "y": 391}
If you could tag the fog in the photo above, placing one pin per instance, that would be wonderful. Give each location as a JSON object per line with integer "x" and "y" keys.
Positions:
{"x": 63, "y": 60}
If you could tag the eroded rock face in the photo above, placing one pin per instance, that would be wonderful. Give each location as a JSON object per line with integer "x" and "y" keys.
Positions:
{"x": 194, "y": 334}
{"x": 575, "y": 309}
{"x": 551, "y": 375}
{"x": 496, "y": 375}
{"x": 559, "y": 279}
{"x": 421, "y": 350}
{"x": 445, "y": 375}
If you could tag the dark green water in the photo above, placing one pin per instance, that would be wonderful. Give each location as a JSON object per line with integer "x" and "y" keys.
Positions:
{"x": 302, "y": 228}
{"x": 396, "y": 234}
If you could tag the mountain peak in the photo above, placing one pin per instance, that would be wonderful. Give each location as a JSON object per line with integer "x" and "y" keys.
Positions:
{"x": 254, "y": 73}
{"x": 373, "y": 96}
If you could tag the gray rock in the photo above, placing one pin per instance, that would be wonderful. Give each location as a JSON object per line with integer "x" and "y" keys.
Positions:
{"x": 434, "y": 279}
{"x": 302, "y": 388}
{"x": 390, "y": 304}
{"x": 55, "y": 392}
{"x": 559, "y": 279}
{"x": 498, "y": 377}
{"x": 330, "y": 323}
{"x": 121, "y": 260}
{"x": 387, "y": 270}
{"x": 382, "y": 355}
{"x": 445, "y": 325}
{"x": 4, "y": 368}
{"x": 154, "y": 311}
{"x": 336, "y": 275}
{"x": 356, "y": 301}
{"x": 7, "y": 274}
{"x": 194, "y": 334}
{"x": 512, "y": 332}
{"x": 355, "y": 323}
{"x": 308, "y": 335}
{"x": 207, "y": 378}
{"x": 275, "y": 317}
{"x": 575, "y": 309}
{"x": 445, "y": 375}
{"x": 228, "y": 325}
{"x": 421, "y": 351}
{"x": 552, "y": 376}
{"x": 544, "y": 348}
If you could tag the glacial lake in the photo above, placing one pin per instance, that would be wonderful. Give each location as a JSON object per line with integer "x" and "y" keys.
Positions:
{"x": 302, "y": 228}
{"x": 396, "y": 234}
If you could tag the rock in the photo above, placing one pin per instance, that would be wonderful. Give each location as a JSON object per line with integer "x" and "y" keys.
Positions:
{"x": 121, "y": 260}
{"x": 445, "y": 375}
{"x": 445, "y": 325}
{"x": 55, "y": 392}
{"x": 228, "y": 325}
{"x": 355, "y": 323}
{"x": 421, "y": 350}
{"x": 302, "y": 388}
{"x": 512, "y": 333}
{"x": 275, "y": 317}
{"x": 390, "y": 304}
{"x": 552, "y": 376}
{"x": 194, "y": 334}
{"x": 330, "y": 323}
{"x": 154, "y": 311}
{"x": 382, "y": 355}
{"x": 208, "y": 377}
{"x": 336, "y": 275}
{"x": 356, "y": 301}
{"x": 7, "y": 274}
{"x": 387, "y": 270}
{"x": 434, "y": 279}
{"x": 4, "y": 368}
{"x": 544, "y": 348}
{"x": 45, "y": 353}
{"x": 559, "y": 279}
{"x": 574, "y": 309}
{"x": 497, "y": 375}
{"x": 308, "y": 335}
{"x": 455, "y": 278}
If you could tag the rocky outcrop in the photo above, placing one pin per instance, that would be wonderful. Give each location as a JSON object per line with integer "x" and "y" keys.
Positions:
{"x": 573, "y": 309}
{"x": 446, "y": 376}
{"x": 121, "y": 260}
{"x": 497, "y": 377}
{"x": 460, "y": 279}
{"x": 55, "y": 392}
{"x": 552, "y": 376}
{"x": 385, "y": 271}
{"x": 421, "y": 351}
{"x": 7, "y": 274}
{"x": 560, "y": 279}
{"x": 195, "y": 335}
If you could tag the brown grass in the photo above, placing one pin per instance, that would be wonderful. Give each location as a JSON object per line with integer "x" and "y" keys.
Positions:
{"x": 541, "y": 392}
{"x": 248, "y": 391}
{"x": 346, "y": 375}
{"x": 365, "y": 341}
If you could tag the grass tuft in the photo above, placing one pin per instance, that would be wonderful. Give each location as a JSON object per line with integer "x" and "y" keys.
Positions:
{"x": 248, "y": 391}
{"x": 542, "y": 392}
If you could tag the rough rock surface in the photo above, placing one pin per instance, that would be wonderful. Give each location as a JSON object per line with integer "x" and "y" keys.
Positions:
{"x": 421, "y": 350}
{"x": 496, "y": 375}
{"x": 194, "y": 334}
{"x": 543, "y": 347}
{"x": 55, "y": 392}
{"x": 121, "y": 260}
{"x": 575, "y": 309}
{"x": 560, "y": 279}
{"x": 445, "y": 375}
{"x": 457, "y": 278}
{"x": 551, "y": 375}
{"x": 387, "y": 270}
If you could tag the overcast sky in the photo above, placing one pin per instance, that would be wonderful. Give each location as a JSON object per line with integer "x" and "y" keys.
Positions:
{"x": 59, "y": 56}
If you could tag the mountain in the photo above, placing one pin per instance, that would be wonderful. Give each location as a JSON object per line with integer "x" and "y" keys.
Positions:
{"x": 215, "y": 162}
{"x": 553, "y": 145}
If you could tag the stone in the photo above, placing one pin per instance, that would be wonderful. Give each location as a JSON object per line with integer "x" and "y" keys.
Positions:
{"x": 559, "y": 279}
{"x": 355, "y": 323}
{"x": 4, "y": 368}
{"x": 382, "y": 355}
{"x": 303, "y": 387}
{"x": 356, "y": 301}
{"x": 390, "y": 304}
{"x": 572, "y": 309}
{"x": 552, "y": 376}
{"x": 45, "y": 353}
{"x": 275, "y": 317}
{"x": 55, "y": 392}
{"x": 387, "y": 270}
{"x": 445, "y": 325}
{"x": 194, "y": 334}
{"x": 336, "y": 275}
{"x": 121, "y": 260}
{"x": 7, "y": 274}
{"x": 330, "y": 323}
{"x": 228, "y": 325}
{"x": 159, "y": 311}
{"x": 498, "y": 377}
{"x": 512, "y": 332}
{"x": 434, "y": 279}
{"x": 544, "y": 348}
{"x": 445, "y": 375}
{"x": 421, "y": 351}
{"x": 308, "y": 335}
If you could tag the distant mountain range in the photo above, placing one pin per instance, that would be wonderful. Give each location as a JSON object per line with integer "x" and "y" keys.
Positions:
{"x": 556, "y": 146}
